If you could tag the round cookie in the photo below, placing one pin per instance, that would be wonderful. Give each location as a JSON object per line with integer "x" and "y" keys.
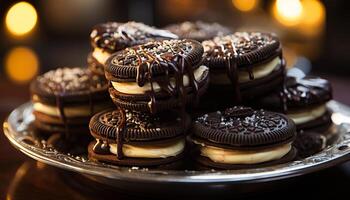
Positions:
{"x": 240, "y": 137}
{"x": 303, "y": 100}
{"x": 198, "y": 30}
{"x": 64, "y": 99}
{"x": 110, "y": 37}
{"x": 158, "y": 75}
{"x": 245, "y": 64}
{"x": 131, "y": 138}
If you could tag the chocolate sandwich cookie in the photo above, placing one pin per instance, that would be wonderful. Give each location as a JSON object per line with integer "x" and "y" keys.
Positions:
{"x": 244, "y": 65}
{"x": 198, "y": 30}
{"x": 240, "y": 137}
{"x": 304, "y": 101}
{"x": 110, "y": 37}
{"x": 157, "y": 76}
{"x": 64, "y": 99}
{"x": 131, "y": 138}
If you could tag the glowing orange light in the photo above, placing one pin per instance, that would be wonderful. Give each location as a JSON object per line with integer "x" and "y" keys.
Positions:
{"x": 21, "y": 18}
{"x": 245, "y": 5}
{"x": 288, "y": 12}
{"x": 313, "y": 12}
{"x": 21, "y": 64}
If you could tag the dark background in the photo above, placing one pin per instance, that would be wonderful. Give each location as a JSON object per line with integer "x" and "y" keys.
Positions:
{"x": 61, "y": 38}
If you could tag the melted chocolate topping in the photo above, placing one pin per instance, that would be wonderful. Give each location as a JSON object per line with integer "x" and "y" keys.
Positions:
{"x": 232, "y": 47}
{"x": 117, "y": 119}
{"x": 124, "y": 121}
{"x": 65, "y": 81}
{"x": 172, "y": 56}
{"x": 198, "y": 30}
{"x": 113, "y": 36}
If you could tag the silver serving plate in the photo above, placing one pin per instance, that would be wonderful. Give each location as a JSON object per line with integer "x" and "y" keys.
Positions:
{"x": 16, "y": 129}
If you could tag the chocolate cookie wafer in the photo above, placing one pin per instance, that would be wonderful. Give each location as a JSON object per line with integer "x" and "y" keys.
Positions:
{"x": 244, "y": 65}
{"x": 157, "y": 76}
{"x": 305, "y": 102}
{"x": 64, "y": 99}
{"x": 131, "y": 138}
{"x": 240, "y": 137}
{"x": 110, "y": 37}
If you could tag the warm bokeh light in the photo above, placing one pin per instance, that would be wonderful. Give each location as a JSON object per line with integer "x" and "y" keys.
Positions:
{"x": 313, "y": 12}
{"x": 21, "y": 18}
{"x": 245, "y": 5}
{"x": 21, "y": 64}
{"x": 288, "y": 12}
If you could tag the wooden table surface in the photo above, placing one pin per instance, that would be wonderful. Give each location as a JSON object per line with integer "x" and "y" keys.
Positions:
{"x": 24, "y": 178}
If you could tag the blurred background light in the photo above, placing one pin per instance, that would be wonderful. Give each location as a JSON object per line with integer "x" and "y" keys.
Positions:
{"x": 21, "y": 18}
{"x": 313, "y": 12}
{"x": 288, "y": 12}
{"x": 21, "y": 64}
{"x": 245, "y": 5}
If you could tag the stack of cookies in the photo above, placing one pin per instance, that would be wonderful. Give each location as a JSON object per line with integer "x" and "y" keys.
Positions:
{"x": 249, "y": 68}
{"x": 108, "y": 38}
{"x": 151, "y": 84}
{"x": 64, "y": 100}
{"x": 154, "y": 76}
{"x": 244, "y": 66}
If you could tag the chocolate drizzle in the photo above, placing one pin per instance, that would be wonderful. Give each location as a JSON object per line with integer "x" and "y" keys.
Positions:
{"x": 117, "y": 119}
{"x": 169, "y": 56}
{"x": 64, "y": 82}
{"x": 240, "y": 51}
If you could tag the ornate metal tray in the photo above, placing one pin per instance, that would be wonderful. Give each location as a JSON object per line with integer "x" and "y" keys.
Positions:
{"x": 16, "y": 129}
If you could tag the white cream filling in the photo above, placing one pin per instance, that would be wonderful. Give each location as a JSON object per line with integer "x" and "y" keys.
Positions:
{"x": 100, "y": 55}
{"x": 69, "y": 111}
{"x": 134, "y": 88}
{"x": 151, "y": 151}
{"x": 229, "y": 156}
{"x": 307, "y": 115}
{"x": 243, "y": 76}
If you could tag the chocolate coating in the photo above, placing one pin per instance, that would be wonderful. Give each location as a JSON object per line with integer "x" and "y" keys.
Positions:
{"x": 158, "y": 62}
{"x": 198, "y": 30}
{"x": 114, "y": 36}
{"x": 301, "y": 93}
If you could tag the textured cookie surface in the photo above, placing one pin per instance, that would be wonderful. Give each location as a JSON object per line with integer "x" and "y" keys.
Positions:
{"x": 114, "y": 36}
{"x": 300, "y": 93}
{"x": 161, "y": 56}
{"x": 242, "y": 127}
{"x": 138, "y": 126}
{"x": 69, "y": 84}
{"x": 242, "y": 48}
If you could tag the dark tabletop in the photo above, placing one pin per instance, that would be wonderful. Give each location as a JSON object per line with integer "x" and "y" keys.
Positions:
{"x": 24, "y": 178}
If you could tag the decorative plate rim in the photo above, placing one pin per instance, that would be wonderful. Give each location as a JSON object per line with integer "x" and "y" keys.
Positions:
{"x": 330, "y": 156}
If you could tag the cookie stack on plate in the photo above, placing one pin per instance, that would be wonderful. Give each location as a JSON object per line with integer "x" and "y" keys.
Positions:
{"x": 64, "y": 100}
{"x": 243, "y": 66}
{"x": 151, "y": 84}
{"x": 108, "y": 38}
